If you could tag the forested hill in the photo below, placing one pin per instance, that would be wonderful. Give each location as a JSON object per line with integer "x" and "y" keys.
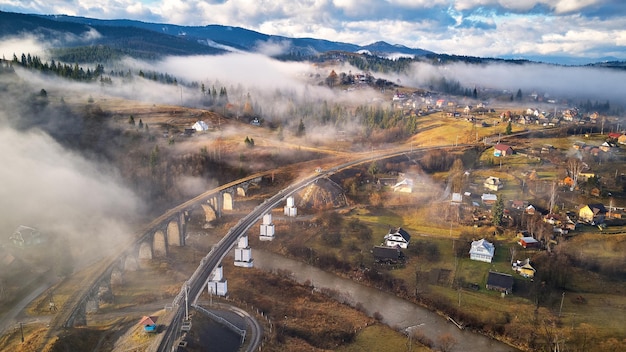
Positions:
{"x": 133, "y": 41}
{"x": 144, "y": 39}
{"x": 88, "y": 40}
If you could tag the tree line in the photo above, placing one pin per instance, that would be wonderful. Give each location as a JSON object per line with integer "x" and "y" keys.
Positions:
{"x": 74, "y": 72}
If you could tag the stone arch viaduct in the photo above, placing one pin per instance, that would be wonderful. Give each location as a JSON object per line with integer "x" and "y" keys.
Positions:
{"x": 154, "y": 240}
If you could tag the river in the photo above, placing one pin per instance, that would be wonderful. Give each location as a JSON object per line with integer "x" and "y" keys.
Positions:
{"x": 395, "y": 311}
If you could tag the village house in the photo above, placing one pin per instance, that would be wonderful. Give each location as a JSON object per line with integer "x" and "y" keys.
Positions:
{"x": 585, "y": 176}
{"x": 489, "y": 199}
{"x": 570, "y": 114}
{"x": 500, "y": 282}
{"x": 200, "y": 126}
{"x": 25, "y": 236}
{"x": 493, "y": 183}
{"x": 389, "y": 255}
{"x": 524, "y": 268}
{"x": 502, "y": 150}
{"x": 148, "y": 323}
{"x": 614, "y": 135}
{"x": 457, "y": 199}
{"x": 529, "y": 242}
{"x": 482, "y": 250}
{"x": 404, "y": 186}
{"x": 592, "y": 213}
{"x": 621, "y": 139}
{"x": 607, "y": 147}
{"x": 518, "y": 204}
{"x": 397, "y": 238}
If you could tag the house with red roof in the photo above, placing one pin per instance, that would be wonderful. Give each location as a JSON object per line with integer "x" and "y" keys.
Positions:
{"x": 502, "y": 150}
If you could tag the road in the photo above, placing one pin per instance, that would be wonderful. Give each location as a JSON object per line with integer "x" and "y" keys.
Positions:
{"x": 9, "y": 318}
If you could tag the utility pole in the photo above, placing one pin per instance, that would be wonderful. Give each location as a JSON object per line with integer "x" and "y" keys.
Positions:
{"x": 561, "y": 307}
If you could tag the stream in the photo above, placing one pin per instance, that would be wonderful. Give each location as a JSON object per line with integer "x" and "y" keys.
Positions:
{"x": 395, "y": 311}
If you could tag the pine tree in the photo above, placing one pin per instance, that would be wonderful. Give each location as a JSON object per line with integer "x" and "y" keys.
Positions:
{"x": 301, "y": 129}
{"x": 509, "y": 128}
{"x": 498, "y": 211}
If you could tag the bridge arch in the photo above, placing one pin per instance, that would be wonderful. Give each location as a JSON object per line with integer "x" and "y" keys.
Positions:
{"x": 174, "y": 237}
{"x": 130, "y": 263}
{"x": 228, "y": 201}
{"x": 159, "y": 244}
{"x": 145, "y": 250}
{"x": 209, "y": 212}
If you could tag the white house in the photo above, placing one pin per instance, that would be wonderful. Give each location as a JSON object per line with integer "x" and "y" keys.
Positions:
{"x": 482, "y": 250}
{"x": 200, "y": 126}
{"x": 397, "y": 238}
{"x": 493, "y": 183}
{"x": 405, "y": 186}
{"x": 457, "y": 198}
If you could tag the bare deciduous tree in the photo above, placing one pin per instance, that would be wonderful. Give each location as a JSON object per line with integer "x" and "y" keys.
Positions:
{"x": 574, "y": 167}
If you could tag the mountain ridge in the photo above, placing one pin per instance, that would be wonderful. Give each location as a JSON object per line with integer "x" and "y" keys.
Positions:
{"x": 152, "y": 40}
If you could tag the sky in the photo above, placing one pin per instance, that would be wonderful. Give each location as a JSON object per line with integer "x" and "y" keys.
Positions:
{"x": 589, "y": 30}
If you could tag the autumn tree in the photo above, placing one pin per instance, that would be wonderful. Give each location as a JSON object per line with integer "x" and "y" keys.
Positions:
{"x": 247, "y": 107}
{"x": 332, "y": 79}
{"x": 456, "y": 175}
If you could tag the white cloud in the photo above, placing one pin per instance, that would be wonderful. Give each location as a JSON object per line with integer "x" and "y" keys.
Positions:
{"x": 18, "y": 45}
{"x": 498, "y": 27}
{"x": 273, "y": 48}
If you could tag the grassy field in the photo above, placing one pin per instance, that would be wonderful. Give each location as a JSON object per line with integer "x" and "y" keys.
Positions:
{"x": 379, "y": 337}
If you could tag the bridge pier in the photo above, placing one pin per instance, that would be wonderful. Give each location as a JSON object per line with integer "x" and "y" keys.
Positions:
{"x": 290, "y": 209}
{"x": 243, "y": 253}
{"x": 267, "y": 228}
{"x": 217, "y": 285}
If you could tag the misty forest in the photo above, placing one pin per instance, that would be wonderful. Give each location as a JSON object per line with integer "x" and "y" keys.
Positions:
{"x": 430, "y": 202}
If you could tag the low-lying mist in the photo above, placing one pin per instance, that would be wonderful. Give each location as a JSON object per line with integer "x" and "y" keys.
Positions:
{"x": 59, "y": 191}
{"x": 576, "y": 83}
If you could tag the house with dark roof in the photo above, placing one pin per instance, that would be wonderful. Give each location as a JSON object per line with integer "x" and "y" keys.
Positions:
{"x": 592, "y": 213}
{"x": 397, "y": 238}
{"x": 500, "y": 282}
{"x": 389, "y": 255}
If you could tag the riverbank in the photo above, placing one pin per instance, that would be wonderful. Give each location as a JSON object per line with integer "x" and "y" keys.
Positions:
{"x": 393, "y": 311}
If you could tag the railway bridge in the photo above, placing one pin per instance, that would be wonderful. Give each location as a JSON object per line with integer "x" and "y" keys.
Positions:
{"x": 154, "y": 240}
